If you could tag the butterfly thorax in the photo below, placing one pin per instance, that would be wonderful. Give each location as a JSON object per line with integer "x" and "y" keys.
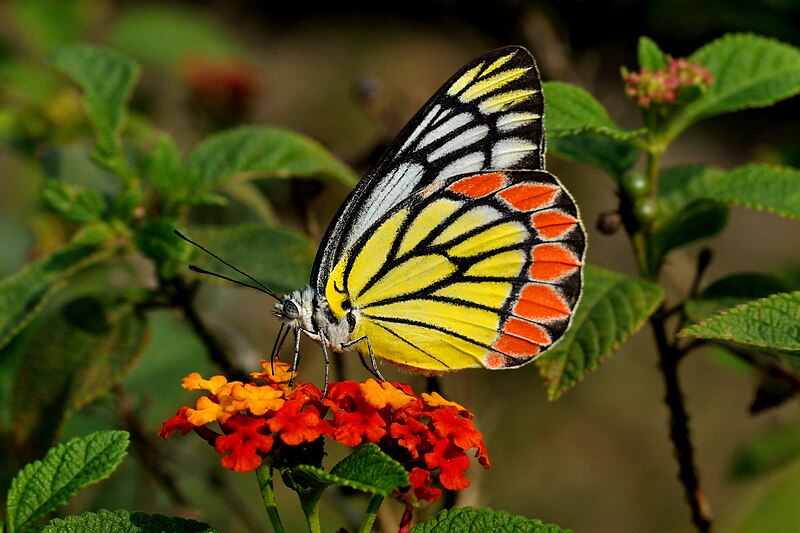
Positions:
{"x": 307, "y": 311}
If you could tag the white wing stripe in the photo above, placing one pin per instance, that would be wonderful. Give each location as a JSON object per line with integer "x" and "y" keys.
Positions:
{"x": 512, "y": 121}
{"x": 421, "y": 127}
{"x": 473, "y": 162}
{"x": 462, "y": 140}
{"x": 389, "y": 192}
{"x": 447, "y": 127}
{"x": 508, "y": 151}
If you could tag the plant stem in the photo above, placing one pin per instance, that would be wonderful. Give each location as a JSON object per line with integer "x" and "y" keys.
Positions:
{"x": 669, "y": 357}
{"x": 372, "y": 512}
{"x": 309, "y": 501}
{"x": 264, "y": 473}
{"x": 679, "y": 427}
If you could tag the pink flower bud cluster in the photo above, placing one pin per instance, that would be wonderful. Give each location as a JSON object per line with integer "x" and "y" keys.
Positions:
{"x": 662, "y": 86}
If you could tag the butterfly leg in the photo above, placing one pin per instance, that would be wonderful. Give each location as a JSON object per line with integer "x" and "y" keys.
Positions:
{"x": 296, "y": 360}
{"x": 276, "y": 348}
{"x": 372, "y": 369}
{"x": 322, "y": 343}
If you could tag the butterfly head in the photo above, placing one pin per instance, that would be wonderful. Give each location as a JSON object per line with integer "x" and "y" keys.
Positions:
{"x": 296, "y": 309}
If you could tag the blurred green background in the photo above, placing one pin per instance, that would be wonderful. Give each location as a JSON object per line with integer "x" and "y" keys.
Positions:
{"x": 598, "y": 459}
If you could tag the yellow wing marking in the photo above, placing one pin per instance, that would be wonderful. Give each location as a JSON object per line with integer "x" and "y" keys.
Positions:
{"x": 483, "y": 87}
{"x": 464, "y": 80}
{"x": 411, "y": 275}
{"x": 420, "y": 347}
{"x": 505, "y": 234}
{"x": 488, "y": 293}
{"x": 506, "y": 264}
{"x": 497, "y": 64}
{"x": 369, "y": 259}
{"x": 471, "y": 219}
{"x": 431, "y": 215}
{"x": 505, "y": 100}
{"x": 478, "y": 324}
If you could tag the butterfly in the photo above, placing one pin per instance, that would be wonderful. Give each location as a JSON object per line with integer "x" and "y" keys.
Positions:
{"x": 458, "y": 250}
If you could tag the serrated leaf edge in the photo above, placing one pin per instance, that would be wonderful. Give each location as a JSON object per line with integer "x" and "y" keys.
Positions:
{"x": 555, "y": 393}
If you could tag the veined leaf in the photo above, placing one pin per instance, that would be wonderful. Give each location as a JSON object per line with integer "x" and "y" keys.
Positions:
{"x": 471, "y": 520}
{"x": 23, "y": 294}
{"x": 771, "y": 322}
{"x": 572, "y": 111}
{"x": 367, "y": 469}
{"x": 613, "y": 307}
{"x": 107, "y": 79}
{"x": 124, "y": 522}
{"x": 72, "y": 355}
{"x": 614, "y": 157}
{"x": 762, "y": 187}
{"x": 734, "y": 290}
{"x": 749, "y": 71}
{"x": 278, "y": 257}
{"x": 681, "y": 186}
{"x": 74, "y": 203}
{"x": 260, "y": 151}
{"x": 699, "y": 220}
{"x": 650, "y": 55}
{"x": 44, "y": 485}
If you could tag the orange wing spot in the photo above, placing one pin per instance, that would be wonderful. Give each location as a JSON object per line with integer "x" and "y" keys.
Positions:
{"x": 494, "y": 360}
{"x": 552, "y": 224}
{"x": 540, "y": 302}
{"x": 525, "y": 197}
{"x": 516, "y": 346}
{"x": 552, "y": 261}
{"x": 480, "y": 185}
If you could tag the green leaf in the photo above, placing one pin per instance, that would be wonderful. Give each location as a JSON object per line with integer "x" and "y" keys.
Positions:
{"x": 23, "y": 294}
{"x": 684, "y": 185}
{"x": 472, "y": 520}
{"x": 763, "y": 187}
{"x": 173, "y": 35}
{"x": 650, "y": 55}
{"x": 736, "y": 289}
{"x": 260, "y": 151}
{"x": 699, "y": 220}
{"x": 124, "y": 522}
{"x": 45, "y": 24}
{"x": 772, "y": 322}
{"x": 749, "y": 71}
{"x": 367, "y": 469}
{"x": 157, "y": 240}
{"x": 614, "y": 157}
{"x": 73, "y": 202}
{"x": 572, "y": 111}
{"x": 278, "y": 257}
{"x": 770, "y": 505}
{"x": 766, "y": 452}
{"x": 107, "y": 79}
{"x": 72, "y": 355}
{"x": 44, "y": 485}
{"x": 613, "y": 307}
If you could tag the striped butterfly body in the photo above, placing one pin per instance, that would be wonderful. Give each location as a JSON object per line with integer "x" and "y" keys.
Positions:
{"x": 458, "y": 250}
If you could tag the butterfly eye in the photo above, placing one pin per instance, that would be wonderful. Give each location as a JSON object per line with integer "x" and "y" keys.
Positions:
{"x": 290, "y": 309}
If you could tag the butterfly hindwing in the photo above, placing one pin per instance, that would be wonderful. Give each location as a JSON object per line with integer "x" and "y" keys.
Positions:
{"x": 472, "y": 270}
{"x": 489, "y": 115}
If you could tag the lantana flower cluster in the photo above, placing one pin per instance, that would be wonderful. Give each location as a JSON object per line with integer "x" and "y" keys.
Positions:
{"x": 270, "y": 419}
{"x": 664, "y": 86}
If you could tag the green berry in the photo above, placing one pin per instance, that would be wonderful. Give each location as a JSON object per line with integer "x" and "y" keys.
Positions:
{"x": 635, "y": 185}
{"x": 645, "y": 210}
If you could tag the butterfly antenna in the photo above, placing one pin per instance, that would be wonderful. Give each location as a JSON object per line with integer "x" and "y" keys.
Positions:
{"x": 260, "y": 286}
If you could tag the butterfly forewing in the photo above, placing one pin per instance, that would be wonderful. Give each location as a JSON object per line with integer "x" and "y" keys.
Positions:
{"x": 489, "y": 115}
{"x": 472, "y": 270}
